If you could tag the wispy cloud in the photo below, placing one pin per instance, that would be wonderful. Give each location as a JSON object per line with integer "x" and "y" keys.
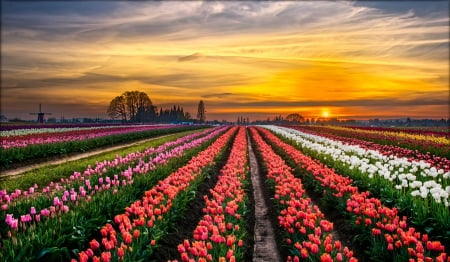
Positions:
{"x": 190, "y": 57}
{"x": 218, "y": 95}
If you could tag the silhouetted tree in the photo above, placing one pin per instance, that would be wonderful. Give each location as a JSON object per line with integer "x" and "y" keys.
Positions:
{"x": 135, "y": 106}
{"x": 201, "y": 112}
{"x": 117, "y": 108}
{"x": 296, "y": 118}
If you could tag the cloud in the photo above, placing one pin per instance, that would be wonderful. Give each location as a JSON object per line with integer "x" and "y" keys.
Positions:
{"x": 349, "y": 103}
{"x": 185, "y": 82}
{"x": 217, "y": 95}
{"x": 190, "y": 57}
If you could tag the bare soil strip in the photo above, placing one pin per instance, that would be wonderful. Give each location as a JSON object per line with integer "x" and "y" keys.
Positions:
{"x": 19, "y": 171}
{"x": 265, "y": 248}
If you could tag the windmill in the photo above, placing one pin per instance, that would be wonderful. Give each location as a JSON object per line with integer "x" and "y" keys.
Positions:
{"x": 40, "y": 115}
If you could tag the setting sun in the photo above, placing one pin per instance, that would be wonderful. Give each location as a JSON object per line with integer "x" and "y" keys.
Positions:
{"x": 325, "y": 113}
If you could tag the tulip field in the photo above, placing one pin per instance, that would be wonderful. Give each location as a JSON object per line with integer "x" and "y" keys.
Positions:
{"x": 28, "y": 144}
{"x": 331, "y": 194}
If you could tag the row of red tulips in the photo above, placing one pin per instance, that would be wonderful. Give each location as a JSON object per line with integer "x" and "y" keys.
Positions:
{"x": 389, "y": 233}
{"x": 308, "y": 233}
{"x": 219, "y": 235}
{"x": 142, "y": 224}
{"x": 388, "y": 150}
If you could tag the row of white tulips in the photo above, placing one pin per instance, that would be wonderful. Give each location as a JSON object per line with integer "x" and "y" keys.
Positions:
{"x": 417, "y": 177}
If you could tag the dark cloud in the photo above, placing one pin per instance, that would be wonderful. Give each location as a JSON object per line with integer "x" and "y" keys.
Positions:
{"x": 190, "y": 57}
{"x": 217, "y": 95}
{"x": 82, "y": 8}
{"x": 388, "y": 102}
{"x": 181, "y": 80}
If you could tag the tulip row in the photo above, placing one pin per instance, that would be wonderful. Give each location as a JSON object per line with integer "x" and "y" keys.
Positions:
{"x": 38, "y": 126}
{"x": 219, "y": 235}
{"x": 423, "y": 131}
{"x": 387, "y": 150}
{"x": 72, "y": 135}
{"x": 16, "y": 133}
{"x": 134, "y": 233}
{"x": 408, "y": 177}
{"x": 389, "y": 234}
{"x": 438, "y": 146}
{"x": 388, "y": 133}
{"x": 308, "y": 233}
{"x": 84, "y": 186}
{"x": 16, "y": 155}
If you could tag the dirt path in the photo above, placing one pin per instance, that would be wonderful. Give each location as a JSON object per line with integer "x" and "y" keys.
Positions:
{"x": 265, "y": 248}
{"x": 19, "y": 171}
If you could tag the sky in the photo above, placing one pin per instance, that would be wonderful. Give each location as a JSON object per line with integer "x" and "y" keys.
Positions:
{"x": 257, "y": 59}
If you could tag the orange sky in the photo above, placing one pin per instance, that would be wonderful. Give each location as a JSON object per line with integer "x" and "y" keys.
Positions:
{"x": 258, "y": 59}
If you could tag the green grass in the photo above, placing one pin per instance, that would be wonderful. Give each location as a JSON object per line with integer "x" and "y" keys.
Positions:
{"x": 44, "y": 175}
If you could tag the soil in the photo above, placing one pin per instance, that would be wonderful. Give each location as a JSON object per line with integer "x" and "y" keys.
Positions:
{"x": 265, "y": 247}
{"x": 23, "y": 167}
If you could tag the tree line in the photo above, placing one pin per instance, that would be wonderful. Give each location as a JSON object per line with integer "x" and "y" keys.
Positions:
{"x": 136, "y": 106}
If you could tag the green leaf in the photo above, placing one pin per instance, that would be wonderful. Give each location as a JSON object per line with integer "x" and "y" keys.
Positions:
{"x": 46, "y": 251}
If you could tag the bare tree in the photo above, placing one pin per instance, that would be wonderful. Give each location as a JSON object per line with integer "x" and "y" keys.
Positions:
{"x": 296, "y": 118}
{"x": 132, "y": 105}
{"x": 201, "y": 112}
{"x": 117, "y": 108}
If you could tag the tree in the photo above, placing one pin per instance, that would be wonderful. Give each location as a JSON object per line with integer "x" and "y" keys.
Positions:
{"x": 187, "y": 116}
{"x": 138, "y": 103}
{"x": 296, "y": 118}
{"x": 132, "y": 105}
{"x": 201, "y": 112}
{"x": 117, "y": 108}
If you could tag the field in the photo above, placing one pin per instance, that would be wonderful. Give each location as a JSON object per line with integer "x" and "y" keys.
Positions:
{"x": 225, "y": 193}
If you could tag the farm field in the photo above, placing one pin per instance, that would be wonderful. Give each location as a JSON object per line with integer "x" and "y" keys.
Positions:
{"x": 31, "y": 144}
{"x": 324, "y": 193}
